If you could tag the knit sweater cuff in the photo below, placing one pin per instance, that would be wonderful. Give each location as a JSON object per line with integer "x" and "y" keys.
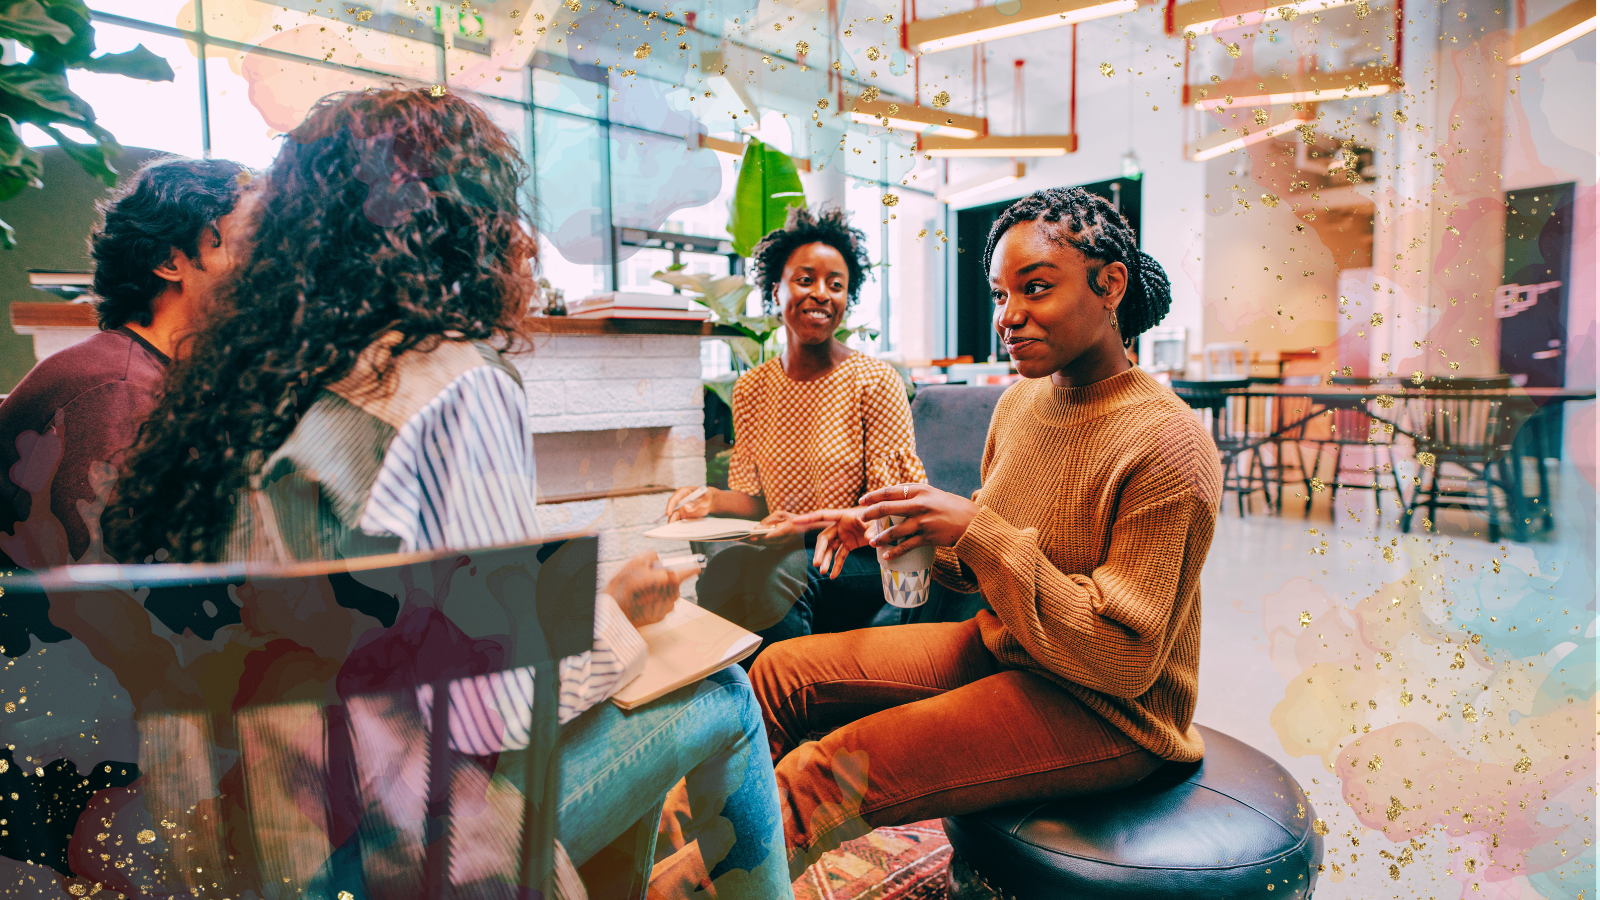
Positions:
{"x": 986, "y": 542}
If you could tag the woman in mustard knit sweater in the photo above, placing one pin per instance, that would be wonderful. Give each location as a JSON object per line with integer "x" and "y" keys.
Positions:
{"x": 1099, "y": 498}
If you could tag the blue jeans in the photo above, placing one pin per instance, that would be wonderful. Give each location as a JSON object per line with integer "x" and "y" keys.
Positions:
{"x": 616, "y": 768}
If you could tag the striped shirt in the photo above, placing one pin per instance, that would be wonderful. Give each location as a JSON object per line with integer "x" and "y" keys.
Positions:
{"x": 460, "y": 474}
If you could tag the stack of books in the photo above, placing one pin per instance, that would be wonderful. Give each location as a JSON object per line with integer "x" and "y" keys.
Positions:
{"x": 620, "y": 305}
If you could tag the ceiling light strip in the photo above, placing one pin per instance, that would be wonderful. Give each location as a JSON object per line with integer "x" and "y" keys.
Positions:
{"x": 987, "y": 23}
{"x": 1205, "y": 149}
{"x": 1555, "y": 30}
{"x": 957, "y": 193}
{"x": 1312, "y": 87}
{"x": 921, "y": 119}
{"x": 1205, "y": 16}
{"x": 1032, "y": 145}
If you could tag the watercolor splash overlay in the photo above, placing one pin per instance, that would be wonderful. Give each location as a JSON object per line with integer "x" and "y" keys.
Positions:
{"x": 1455, "y": 706}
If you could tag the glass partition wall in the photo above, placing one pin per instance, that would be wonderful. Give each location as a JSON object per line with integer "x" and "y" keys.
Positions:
{"x": 612, "y": 150}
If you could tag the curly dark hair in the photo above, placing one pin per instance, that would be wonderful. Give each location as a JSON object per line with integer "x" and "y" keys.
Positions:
{"x": 385, "y": 211}
{"x": 1093, "y": 226}
{"x": 828, "y": 226}
{"x": 167, "y": 206}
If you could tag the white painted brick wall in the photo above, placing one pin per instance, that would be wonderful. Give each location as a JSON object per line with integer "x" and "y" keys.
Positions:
{"x": 601, "y": 383}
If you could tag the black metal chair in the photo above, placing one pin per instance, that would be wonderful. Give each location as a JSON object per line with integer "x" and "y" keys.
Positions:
{"x": 1471, "y": 433}
{"x": 1355, "y": 428}
{"x": 1229, "y": 419}
{"x": 1281, "y": 426}
{"x": 284, "y": 743}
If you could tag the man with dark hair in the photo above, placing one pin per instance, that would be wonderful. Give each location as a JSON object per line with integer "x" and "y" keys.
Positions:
{"x": 167, "y": 241}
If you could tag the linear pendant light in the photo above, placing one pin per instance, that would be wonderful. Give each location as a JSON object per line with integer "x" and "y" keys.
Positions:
{"x": 1265, "y": 90}
{"x": 956, "y": 193}
{"x": 1205, "y": 16}
{"x": 1000, "y": 145}
{"x": 921, "y": 119}
{"x": 1560, "y": 27}
{"x": 989, "y": 23}
{"x": 1019, "y": 145}
{"x": 1280, "y": 120}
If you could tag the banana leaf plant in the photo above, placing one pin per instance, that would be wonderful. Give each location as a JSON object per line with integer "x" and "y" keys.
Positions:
{"x": 61, "y": 36}
{"x": 769, "y": 184}
{"x": 725, "y": 296}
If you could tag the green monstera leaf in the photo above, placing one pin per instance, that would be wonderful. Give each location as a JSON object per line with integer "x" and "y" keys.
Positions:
{"x": 768, "y": 185}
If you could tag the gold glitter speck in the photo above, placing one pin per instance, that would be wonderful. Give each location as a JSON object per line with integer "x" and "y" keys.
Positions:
{"x": 890, "y": 199}
{"x": 1319, "y": 826}
{"x": 941, "y": 100}
{"x": 436, "y": 90}
{"x": 1106, "y": 70}
{"x": 642, "y": 51}
{"x": 146, "y": 836}
{"x": 802, "y": 47}
{"x": 1522, "y": 766}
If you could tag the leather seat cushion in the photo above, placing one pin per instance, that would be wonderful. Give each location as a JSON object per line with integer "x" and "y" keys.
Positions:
{"x": 1234, "y": 825}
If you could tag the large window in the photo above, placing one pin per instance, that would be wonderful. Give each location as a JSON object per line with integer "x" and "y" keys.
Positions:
{"x": 609, "y": 150}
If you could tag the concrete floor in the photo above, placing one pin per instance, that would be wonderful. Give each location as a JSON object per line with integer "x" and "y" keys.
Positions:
{"x": 1275, "y": 587}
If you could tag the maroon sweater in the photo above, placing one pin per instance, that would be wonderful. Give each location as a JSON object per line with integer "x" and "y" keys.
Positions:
{"x": 74, "y": 415}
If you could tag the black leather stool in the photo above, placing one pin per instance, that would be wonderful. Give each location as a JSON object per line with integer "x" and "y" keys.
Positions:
{"x": 1234, "y": 825}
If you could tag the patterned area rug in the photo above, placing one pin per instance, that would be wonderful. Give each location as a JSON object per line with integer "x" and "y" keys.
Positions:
{"x": 906, "y": 862}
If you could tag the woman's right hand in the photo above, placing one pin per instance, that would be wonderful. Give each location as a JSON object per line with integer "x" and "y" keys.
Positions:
{"x": 845, "y": 532}
{"x": 645, "y": 593}
{"x": 698, "y": 508}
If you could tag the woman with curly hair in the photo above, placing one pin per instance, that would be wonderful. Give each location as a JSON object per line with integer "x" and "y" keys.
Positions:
{"x": 814, "y": 429}
{"x": 1099, "y": 499}
{"x": 349, "y": 398}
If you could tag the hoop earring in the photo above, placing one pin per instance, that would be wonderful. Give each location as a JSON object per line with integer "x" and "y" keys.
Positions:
{"x": 1115, "y": 325}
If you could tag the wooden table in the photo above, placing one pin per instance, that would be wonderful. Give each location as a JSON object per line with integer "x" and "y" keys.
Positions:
{"x": 1388, "y": 402}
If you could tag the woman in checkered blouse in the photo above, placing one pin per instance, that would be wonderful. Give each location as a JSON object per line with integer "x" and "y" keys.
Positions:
{"x": 814, "y": 428}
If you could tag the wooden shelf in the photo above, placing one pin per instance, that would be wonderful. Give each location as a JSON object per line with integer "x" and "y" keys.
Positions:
{"x": 581, "y": 496}
{"x": 53, "y": 315}
{"x": 82, "y": 315}
{"x": 568, "y": 325}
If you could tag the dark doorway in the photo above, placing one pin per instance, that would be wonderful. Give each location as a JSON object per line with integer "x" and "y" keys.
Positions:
{"x": 1531, "y": 302}
{"x": 975, "y": 335}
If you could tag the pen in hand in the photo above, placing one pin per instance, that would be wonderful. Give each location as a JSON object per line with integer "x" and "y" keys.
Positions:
{"x": 694, "y": 495}
{"x": 691, "y": 562}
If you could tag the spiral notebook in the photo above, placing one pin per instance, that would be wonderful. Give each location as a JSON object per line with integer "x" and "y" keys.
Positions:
{"x": 685, "y": 647}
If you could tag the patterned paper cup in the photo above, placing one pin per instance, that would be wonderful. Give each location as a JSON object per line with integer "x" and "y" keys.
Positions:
{"x": 906, "y": 578}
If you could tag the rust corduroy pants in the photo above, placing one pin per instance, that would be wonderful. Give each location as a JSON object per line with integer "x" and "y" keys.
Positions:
{"x": 917, "y": 722}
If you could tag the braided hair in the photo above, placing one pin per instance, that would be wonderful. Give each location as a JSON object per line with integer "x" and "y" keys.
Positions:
{"x": 801, "y": 227}
{"x": 1093, "y": 226}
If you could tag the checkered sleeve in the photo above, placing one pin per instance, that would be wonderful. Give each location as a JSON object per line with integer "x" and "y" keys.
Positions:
{"x": 890, "y": 445}
{"x": 743, "y": 472}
